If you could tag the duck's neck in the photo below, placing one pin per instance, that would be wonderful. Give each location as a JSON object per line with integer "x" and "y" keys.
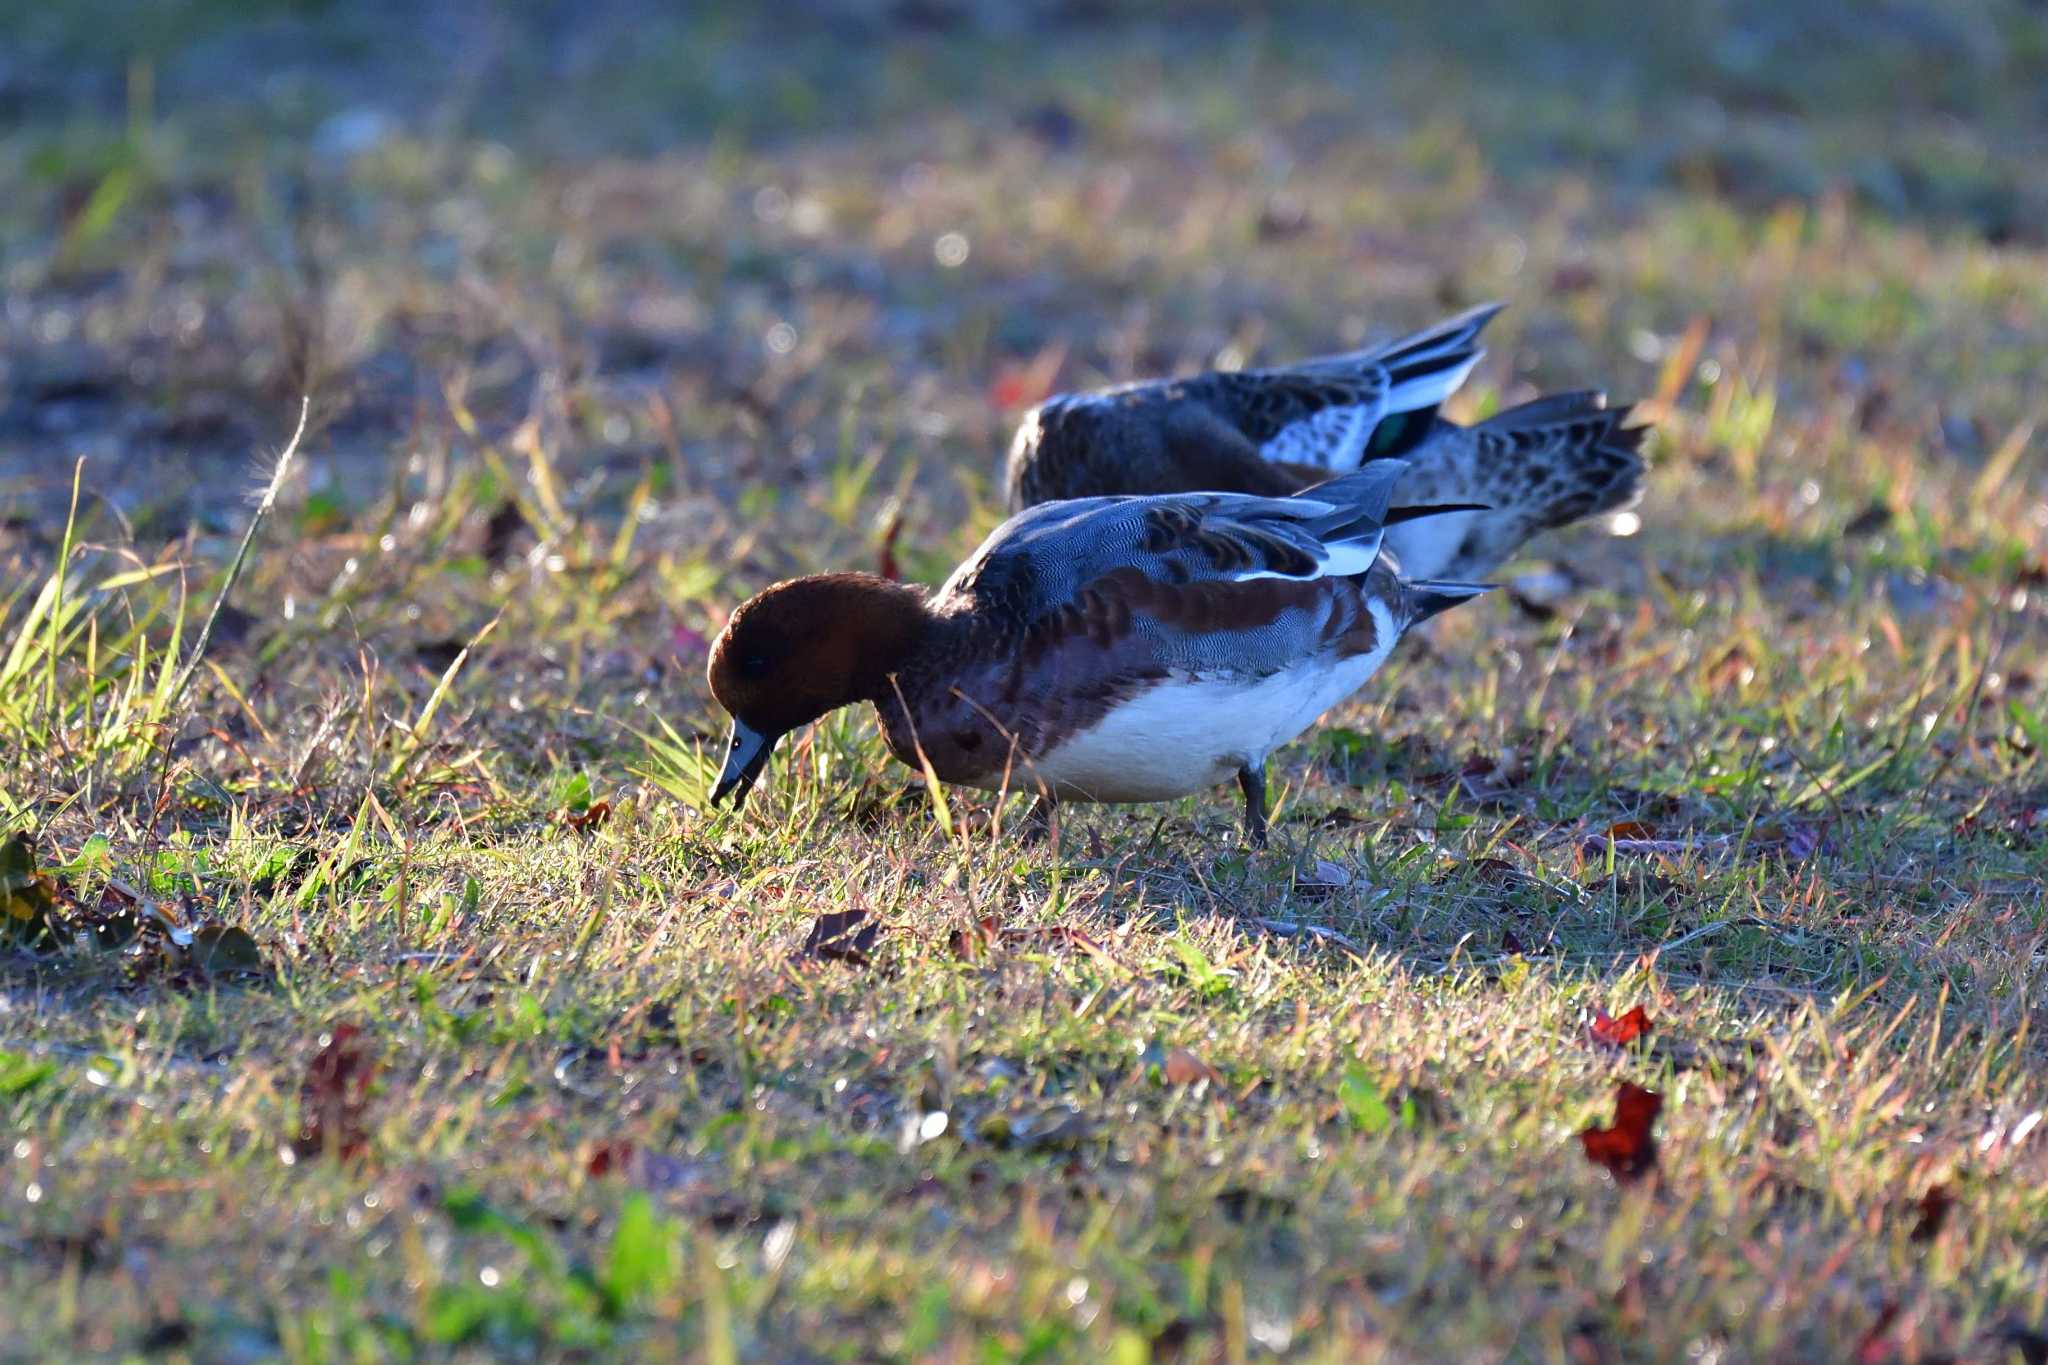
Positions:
{"x": 887, "y": 629}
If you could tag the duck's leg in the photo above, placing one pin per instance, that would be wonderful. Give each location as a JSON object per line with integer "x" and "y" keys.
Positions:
{"x": 1251, "y": 780}
{"x": 1042, "y": 820}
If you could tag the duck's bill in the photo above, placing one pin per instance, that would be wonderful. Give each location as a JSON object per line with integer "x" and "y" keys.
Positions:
{"x": 746, "y": 755}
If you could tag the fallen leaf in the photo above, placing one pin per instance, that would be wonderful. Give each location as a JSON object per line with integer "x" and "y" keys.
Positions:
{"x": 842, "y": 936}
{"x": 1027, "y": 384}
{"x": 1327, "y": 879}
{"x": 1622, "y": 1031}
{"x": 1872, "y": 519}
{"x": 1876, "y": 1346}
{"x": 1574, "y": 277}
{"x": 334, "y": 1097}
{"x": 687, "y": 643}
{"x": 973, "y": 943}
{"x": 609, "y": 1158}
{"x": 1933, "y": 1207}
{"x": 1628, "y": 1149}
{"x": 28, "y": 897}
{"x": 221, "y": 950}
{"x": 591, "y": 817}
{"x": 1630, "y": 829}
{"x": 1185, "y": 1068}
{"x": 1284, "y": 216}
{"x": 505, "y": 523}
{"x": 1036, "y": 1130}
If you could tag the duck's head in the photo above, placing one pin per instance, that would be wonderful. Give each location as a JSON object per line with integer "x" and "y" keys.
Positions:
{"x": 801, "y": 649}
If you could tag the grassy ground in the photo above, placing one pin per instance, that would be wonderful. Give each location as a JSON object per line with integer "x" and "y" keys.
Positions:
{"x": 611, "y": 318}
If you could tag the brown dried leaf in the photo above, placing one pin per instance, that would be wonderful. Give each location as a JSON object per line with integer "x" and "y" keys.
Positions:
{"x": 1185, "y": 1068}
{"x": 334, "y": 1097}
{"x": 1933, "y": 1207}
{"x": 842, "y": 936}
{"x": 974, "y": 942}
{"x": 590, "y": 818}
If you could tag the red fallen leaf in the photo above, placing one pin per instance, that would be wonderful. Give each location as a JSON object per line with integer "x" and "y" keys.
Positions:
{"x": 972, "y": 943}
{"x": 1619, "y": 1032}
{"x": 609, "y": 1158}
{"x": 1628, "y": 1149}
{"x": 334, "y": 1097}
{"x": 1025, "y": 385}
{"x": 1573, "y": 278}
{"x": 886, "y": 564}
{"x": 1876, "y": 1346}
{"x": 1630, "y": 829}
{"x": 591, "y": 817}
{"x": 1934, "y": 1206}
{"x": 688, "y": 643}
{"x": 1185, "y": 1068}
{"x": 841, "y": 936}
{"x": 1509, "y": 943}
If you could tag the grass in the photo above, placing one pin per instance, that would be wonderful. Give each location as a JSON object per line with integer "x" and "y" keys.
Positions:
{"x": 532, "y": 1054}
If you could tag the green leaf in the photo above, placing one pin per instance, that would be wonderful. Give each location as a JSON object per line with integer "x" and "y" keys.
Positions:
{"x": 1363, "y": 1103}
{"x": 640, "y": 1261}
{"x": 20, "y": 1073}
{"x": 2032, "y": 726}
{"x": 574, "y": 794}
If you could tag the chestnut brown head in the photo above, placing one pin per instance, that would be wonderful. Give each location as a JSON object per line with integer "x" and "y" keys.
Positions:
{"x": 801, "y": 649}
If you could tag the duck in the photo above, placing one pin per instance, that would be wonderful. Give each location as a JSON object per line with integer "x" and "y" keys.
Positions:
{"x": 1534, "y": 467}
{"x": 1108, "y": 649}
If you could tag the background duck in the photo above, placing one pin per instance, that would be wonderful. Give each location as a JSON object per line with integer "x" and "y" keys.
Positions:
{"x": 1273, "y": 432}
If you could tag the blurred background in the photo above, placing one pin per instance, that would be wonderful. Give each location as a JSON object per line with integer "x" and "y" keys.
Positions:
{"x": 737, "y": 246}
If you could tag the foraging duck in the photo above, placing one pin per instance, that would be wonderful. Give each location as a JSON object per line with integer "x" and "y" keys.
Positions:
{"x": 1104, "y": 649}
{"x": 1275, "y": 432}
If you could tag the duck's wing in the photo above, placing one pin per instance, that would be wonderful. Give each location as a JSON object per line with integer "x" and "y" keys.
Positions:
{"x": 1042, "y": 558}
{"x": 1336, "y": 412}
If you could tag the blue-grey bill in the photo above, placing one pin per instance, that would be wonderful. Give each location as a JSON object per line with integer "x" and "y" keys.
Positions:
{"x": 746, "y": 754}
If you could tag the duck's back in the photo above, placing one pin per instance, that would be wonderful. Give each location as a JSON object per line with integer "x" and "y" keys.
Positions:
{"x": 1268, "y": 431}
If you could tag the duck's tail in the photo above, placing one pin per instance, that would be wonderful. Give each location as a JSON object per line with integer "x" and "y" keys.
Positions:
{"x": 1539, "y": 466}
{"x": 1571, "y": 453}
{"x": 1429, "y": 596}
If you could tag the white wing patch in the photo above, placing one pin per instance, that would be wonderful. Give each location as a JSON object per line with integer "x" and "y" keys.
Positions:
{"x": 1332, "y": 439}
{"x": 1341, "y": 560}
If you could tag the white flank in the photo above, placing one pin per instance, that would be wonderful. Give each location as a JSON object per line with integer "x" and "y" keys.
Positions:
{"x": 1424, "y": 548}
{"x": 1331, "y": 439}
{"x": 1191, "y": 733}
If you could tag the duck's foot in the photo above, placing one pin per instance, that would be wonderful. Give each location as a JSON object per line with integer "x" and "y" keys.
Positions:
{"x": 1041, "y": 822}
{"x": 1252, "y": 782}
